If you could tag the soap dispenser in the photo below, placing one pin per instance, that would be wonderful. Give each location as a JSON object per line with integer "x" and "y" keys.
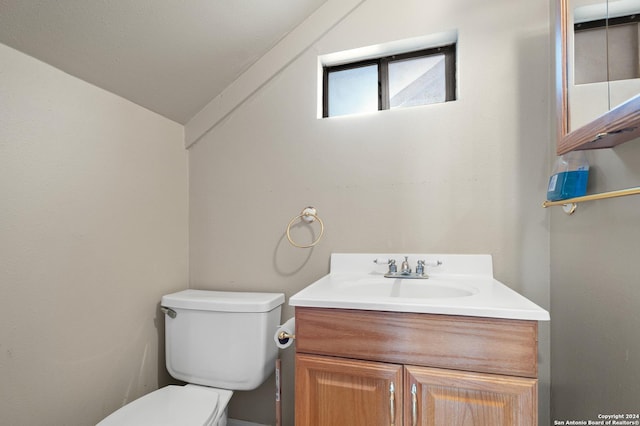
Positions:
{"x": 569, "y": 177}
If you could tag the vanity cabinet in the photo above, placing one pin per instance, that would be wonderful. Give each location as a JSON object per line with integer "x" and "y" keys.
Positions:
{"x": 388, "y": 368}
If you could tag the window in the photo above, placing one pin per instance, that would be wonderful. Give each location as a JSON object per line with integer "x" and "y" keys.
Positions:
{"x": 607, "y": 49}
{"x": 396, "y": 81}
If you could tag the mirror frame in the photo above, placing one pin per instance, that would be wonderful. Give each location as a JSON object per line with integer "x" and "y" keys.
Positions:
{"x": 621, "y": 124}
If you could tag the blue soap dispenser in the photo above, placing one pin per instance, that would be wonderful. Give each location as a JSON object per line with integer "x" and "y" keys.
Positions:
{"x": 569, "y": 177}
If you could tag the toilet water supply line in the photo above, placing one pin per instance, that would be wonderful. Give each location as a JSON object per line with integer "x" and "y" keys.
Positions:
{"x": 309, "y": 215}
{"x": 278, "y": 390}
{"x": 284, "y": 336}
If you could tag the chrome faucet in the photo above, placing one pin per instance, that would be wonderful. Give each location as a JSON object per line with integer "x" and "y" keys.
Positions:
{"x": 405, "y": 269}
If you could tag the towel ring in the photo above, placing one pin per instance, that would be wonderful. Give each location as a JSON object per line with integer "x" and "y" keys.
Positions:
{"x": 308, "y": 215}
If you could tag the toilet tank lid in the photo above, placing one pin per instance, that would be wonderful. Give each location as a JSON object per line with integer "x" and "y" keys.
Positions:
{"x": 223, "y": 301}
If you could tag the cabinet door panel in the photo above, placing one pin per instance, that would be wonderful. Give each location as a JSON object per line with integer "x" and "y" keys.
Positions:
{"x": 340, "y": 392}
{"x": 454, "y": 398}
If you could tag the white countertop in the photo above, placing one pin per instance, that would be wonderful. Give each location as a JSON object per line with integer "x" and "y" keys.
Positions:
{"x": 355, "y": 282}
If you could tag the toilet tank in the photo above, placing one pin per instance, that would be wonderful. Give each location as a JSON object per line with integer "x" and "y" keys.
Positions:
{"x": 221, "y": 339}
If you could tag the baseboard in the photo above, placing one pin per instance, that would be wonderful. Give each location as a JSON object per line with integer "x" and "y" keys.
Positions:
{"x": 234, "y": 422}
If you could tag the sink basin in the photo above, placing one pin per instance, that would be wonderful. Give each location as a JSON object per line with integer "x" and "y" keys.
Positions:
{"x": 458, "y": 284}
{"x": 401, "y": 288}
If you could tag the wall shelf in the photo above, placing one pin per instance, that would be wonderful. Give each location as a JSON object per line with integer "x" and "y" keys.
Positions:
{"x": 570, "y": 204}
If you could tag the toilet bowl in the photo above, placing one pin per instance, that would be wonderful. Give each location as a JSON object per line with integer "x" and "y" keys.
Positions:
{"x": 174, "y": 405}
{"x": 215, "y": 341}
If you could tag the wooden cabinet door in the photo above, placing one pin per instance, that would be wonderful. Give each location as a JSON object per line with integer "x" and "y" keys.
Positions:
{"x": 341, "y": 392}
{"x": 437, "y": 397}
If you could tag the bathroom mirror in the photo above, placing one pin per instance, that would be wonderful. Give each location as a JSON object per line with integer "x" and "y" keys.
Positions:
{"x": 597, "y": 73}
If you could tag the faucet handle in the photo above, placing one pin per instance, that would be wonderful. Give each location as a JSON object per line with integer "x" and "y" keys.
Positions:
{"x": 393, "y": 268}
{"x": 422, "y": 264}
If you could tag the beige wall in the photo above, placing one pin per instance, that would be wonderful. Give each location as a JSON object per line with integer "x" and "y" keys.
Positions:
{"x": 93, "y": 219}
{"x": 595, "y": 295}
{"x": 463, "y": 177}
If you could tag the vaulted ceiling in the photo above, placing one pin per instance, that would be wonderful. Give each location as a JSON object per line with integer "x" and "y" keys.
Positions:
{"x": 170, "y": 56}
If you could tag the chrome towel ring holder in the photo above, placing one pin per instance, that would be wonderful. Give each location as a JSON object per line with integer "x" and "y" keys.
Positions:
{"x": 309, "y": 215}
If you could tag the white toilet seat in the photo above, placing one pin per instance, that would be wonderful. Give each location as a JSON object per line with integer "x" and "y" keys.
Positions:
{"x": 189, "y": 405}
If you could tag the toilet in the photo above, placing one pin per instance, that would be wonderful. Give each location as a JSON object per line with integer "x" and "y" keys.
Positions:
{"x": 216, "y": 342}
